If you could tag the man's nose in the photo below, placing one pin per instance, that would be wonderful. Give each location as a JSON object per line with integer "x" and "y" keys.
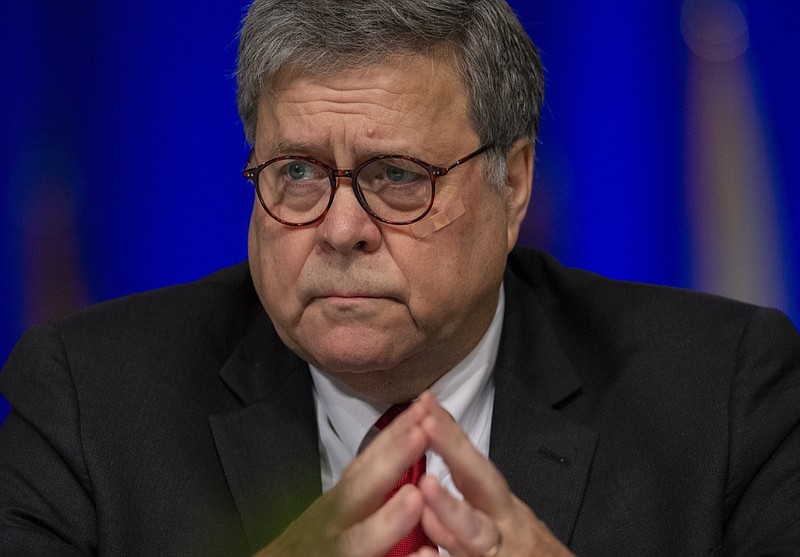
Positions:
{"x": 347, "y": 226}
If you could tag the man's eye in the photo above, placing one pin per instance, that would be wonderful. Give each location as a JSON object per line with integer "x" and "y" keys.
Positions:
{"x": 395, "y": 174}
{"x": 398, "y": 172}
{"x": 299, "y": 170}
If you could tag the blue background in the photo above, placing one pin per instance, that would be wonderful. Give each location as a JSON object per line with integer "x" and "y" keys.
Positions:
{"x": 121, "y": 149}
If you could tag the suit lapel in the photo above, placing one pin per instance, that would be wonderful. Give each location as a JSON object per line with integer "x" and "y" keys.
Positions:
{"x": 544, "y": 456}
{"x": 269, "y": 448}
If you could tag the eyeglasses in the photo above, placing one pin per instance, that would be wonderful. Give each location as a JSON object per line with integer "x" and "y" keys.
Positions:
{"x": 395, "y": 189}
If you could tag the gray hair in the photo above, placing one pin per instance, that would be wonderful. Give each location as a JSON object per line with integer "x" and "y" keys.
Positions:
{"x": 496, "y": 60}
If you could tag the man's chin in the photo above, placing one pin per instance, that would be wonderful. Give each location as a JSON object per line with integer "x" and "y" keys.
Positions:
{"x": 353, "y": 362}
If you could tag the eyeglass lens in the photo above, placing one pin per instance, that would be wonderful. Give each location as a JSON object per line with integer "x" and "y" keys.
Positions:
{"x": 298, "y": 190}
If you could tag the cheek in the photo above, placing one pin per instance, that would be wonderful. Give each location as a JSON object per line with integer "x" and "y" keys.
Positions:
{"x": 479, "y": 236}
{"x": 277, "y": 255}
{"x": 453, "y": 269}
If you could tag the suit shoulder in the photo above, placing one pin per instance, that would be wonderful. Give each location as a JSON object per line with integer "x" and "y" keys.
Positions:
{"x": 225, "y": 291}
{"x": 621, "y": 314}
{"x": 197, "y": 321}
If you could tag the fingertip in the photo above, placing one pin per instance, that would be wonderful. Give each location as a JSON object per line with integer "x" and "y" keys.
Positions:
{"x": 409, "y": 500}
{"x": 429, "y": 486}
{"x": 421, "y": 406}
{"x": 418, "y": 410}
{"x": 438, "y": 424}
{"x": 380, "y": 530}
{"x": 426, "y": 398}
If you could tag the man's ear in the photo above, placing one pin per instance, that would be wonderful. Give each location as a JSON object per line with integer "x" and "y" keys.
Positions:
{"x": 519, "y": 181}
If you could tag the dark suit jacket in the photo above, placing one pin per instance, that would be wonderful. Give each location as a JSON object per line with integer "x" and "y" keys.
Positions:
{"x": 634, "y": 420}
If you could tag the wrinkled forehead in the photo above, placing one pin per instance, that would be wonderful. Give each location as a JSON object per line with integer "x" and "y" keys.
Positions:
{"x": 324, "y": 64}
{"x": 412, "y": 83}
{"x": 417, "y": 98}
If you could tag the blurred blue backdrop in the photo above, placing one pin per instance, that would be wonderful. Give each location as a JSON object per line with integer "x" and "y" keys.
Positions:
{"x": 669, "y": 147}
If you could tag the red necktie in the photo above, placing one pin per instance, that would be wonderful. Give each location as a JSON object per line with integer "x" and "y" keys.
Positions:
{"x": 416, "y": 538}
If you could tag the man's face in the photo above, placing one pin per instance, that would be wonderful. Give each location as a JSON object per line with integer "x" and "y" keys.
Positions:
{"x": 352, "y": 295}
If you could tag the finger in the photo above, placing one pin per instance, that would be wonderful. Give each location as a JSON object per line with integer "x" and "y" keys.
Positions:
{"x": 485, "y": 489}
{"x": 462, "y": 529}
{"x": 314, "y": 532}
{"x": 380, "y": 531}
{"x": 365, "y": 482}
{"x": 438, "y": 533}
{"x": 474, "y": 475}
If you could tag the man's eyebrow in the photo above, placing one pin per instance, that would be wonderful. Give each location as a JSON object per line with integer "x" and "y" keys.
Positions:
{"x": 285, "y": 147}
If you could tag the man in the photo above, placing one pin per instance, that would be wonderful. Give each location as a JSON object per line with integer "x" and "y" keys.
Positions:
{"x": 555, "y": 412}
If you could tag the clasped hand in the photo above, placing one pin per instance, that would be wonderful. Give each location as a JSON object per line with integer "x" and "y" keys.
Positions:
{"x": 352, "y": 520}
